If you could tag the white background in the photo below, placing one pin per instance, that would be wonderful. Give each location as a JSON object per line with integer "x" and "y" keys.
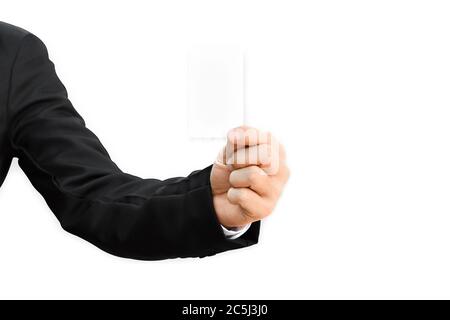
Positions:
{"x": 358, "y": 91}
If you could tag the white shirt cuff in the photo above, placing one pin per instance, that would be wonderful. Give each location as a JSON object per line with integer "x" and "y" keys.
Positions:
{"x": 235, "y": 233}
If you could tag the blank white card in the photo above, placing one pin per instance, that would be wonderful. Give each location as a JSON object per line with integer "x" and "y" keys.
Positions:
{"x": 215, "y": 90}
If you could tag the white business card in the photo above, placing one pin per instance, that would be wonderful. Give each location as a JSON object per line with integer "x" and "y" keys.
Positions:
{"x": 215, "y": 100}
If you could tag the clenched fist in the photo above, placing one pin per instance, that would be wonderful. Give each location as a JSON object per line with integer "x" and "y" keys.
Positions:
{"x": 248, "y": 177}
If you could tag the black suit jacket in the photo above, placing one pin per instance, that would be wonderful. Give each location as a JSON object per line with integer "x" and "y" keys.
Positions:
{"x": 91, "y": 197}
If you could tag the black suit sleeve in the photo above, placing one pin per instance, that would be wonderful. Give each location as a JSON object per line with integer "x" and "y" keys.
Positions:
{"x": 91, "y": 197}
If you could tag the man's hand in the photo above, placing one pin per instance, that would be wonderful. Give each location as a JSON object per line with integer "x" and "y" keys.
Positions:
{"x": 248, "y": 177}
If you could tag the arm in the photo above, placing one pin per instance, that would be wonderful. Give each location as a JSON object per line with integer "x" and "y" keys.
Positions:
{"x": 91, "y": 197}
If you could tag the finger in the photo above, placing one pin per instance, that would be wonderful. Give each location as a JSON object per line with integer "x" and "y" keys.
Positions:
{"x": 252, "y": 177}
{"x": 253, "y": 205}
{"x": 264, "y": 155}
{"x": 254, "y": 155}
{"x": 219, "y": 179}
{"x": 277, "y": 182}
{"x": 247, "y": 136}
{"x": 243, "y": 136}
{"x": 277, "y": 159}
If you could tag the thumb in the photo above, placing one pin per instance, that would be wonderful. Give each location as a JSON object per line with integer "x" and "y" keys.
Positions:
{"x": 220, "y": 178}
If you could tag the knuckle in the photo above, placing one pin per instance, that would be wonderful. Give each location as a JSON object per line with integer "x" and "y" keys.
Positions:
{"x": 253, "y": 177}
{"x": 236, "y": 195}
{"x": 233, "y": 179}
{"x": 242, "y": 196}
{"x": 232, "y": 195}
